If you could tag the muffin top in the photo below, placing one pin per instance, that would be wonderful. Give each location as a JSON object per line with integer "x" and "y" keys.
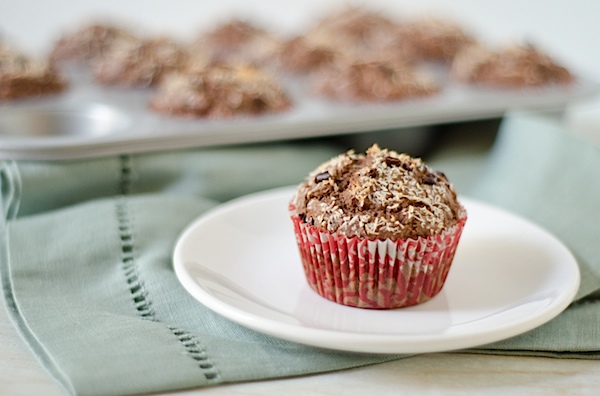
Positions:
{"x": 139, "y": 62}
{"x": 219, "y": 91}
{"x": 515, "y": 65}
{"x": 237, "y": 41}
{"x": 300, "y": 55}
{"x": 88, "y": 42}
{"x": 376, "y": 80}
{"x": 432, "y": 38}
{"x": 22, "y": 76}
{"x": 378, "y": 195}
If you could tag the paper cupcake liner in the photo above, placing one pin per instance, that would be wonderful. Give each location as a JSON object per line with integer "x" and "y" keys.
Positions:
{"x": 375, "y": 274}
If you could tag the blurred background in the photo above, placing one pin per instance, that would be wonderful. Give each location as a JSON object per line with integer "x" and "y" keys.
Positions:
{"x": 566, "y": 30}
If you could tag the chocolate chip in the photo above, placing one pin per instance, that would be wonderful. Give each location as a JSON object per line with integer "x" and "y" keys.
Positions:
{"x": 302, "y": 217}
{"x": 441, "y": 175}
{"x": 429, "y": 179}
{"x": 419, "y": 204}
{"x": 392, "y": 161}
{"x": 406, "y": 166}
{"x": 322, "y": 177}
{"x": 373, "y": 173}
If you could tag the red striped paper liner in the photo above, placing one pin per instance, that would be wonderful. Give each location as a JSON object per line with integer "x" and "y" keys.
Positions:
{"x": 375, "y": 274}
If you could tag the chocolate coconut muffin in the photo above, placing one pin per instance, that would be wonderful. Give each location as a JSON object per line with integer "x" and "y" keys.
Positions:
{"x": 301, "y": 55}
{"x": 219, "y": 91}
{"x": 432, "y": 39}
{"x": 378, "y": 195}
{"x": 365, "y": 80}
{"x": 512, "y": 66}
{"x": 376, "y": 230}
{"x": 352, "y": 30}
{"x": 24, "y": 77}
{"x": 88, "y": 42}
{"x": 237, "y": 41}
{"x": 139, "y": 62}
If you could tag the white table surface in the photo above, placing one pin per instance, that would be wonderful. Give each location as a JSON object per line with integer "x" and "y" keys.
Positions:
{"x": 434, "y": 374}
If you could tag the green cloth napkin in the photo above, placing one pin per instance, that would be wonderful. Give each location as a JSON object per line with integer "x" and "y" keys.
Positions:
{"x": 87, "y": 276}
{"x": 542, "y": 172}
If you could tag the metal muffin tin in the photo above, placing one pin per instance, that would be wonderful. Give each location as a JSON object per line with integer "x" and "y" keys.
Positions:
{"x": 90, "y": 120}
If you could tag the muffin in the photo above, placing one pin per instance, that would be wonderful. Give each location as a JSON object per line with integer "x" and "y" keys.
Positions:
{"x": 24, "y": 77}
{"x": 237, "y": 41}
{"x": 352, "y": 30}
{"x": 371, "y": 80}
{"x": 219, "y": 91}
{"x": 377, "y": 230}
{"x": 432, "y": 39}
{"x": 88, "y": 42}
{"x": 299, "y": 55}
{"x": 513, "y": 66}
{"x": 134, "y": 62}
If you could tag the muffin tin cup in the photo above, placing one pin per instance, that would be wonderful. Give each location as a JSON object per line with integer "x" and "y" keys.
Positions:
{"x": 376, "y": 274}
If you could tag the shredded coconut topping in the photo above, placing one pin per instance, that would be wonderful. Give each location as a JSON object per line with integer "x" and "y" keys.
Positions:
{"x": 139, "y": 62}
{"x": 220, "y": 91}
{"x": 88, "y": 42}
{"x": 22, "y": 76}
{"x": 380, "y": 195}
{"x": 15, "y": 63}
{"x": 514, "y": 65}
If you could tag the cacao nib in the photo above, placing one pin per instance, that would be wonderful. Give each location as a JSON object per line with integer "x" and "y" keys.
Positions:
{"x": 322, "y": 177}
{"x": 392, "y": 161}
{"x": 429, "y": 179}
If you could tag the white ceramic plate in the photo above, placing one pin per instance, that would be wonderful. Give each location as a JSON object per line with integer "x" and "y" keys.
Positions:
{"x": 509, "y": 276}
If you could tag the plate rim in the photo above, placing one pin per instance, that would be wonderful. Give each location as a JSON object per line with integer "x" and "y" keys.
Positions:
{"x": 365, "y": 342}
